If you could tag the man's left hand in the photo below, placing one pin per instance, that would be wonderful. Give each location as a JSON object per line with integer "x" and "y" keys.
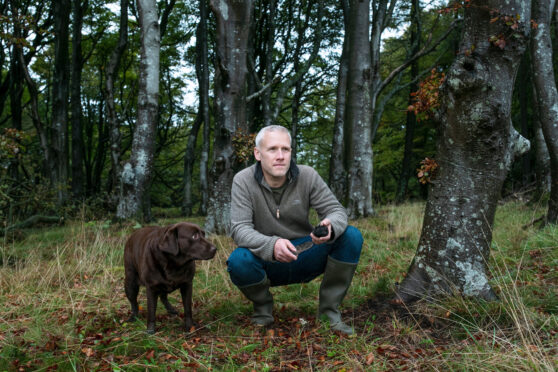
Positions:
{"x": 326, "y": 222}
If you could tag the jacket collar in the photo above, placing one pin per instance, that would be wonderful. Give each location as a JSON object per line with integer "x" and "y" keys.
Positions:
{"x": 292, "y": 174}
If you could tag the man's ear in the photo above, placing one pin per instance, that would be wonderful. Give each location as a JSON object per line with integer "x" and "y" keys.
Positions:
{"x": 257, "y": 154}
{"x": 169, "y": 241}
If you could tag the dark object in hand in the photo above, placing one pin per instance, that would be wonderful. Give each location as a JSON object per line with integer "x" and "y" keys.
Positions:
{"x": 320, "y": 231}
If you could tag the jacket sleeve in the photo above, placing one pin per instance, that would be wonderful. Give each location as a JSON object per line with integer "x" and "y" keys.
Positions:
{"x": 327, "y": 205}
{"x": 242, "y": 223}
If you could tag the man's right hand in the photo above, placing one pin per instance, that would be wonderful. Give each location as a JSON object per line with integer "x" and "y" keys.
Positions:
{"x": 284, "y": 250}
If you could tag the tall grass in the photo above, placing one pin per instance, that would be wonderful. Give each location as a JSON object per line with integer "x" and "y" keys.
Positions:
{"x": 62, "y": 306}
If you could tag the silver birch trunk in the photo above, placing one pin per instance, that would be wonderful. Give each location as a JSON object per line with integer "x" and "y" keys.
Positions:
{"x": 477, "y": 144}
{"x": 136, "y": 172}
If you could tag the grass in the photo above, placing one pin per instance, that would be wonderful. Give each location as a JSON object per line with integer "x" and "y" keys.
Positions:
{"x": 62, "y": 307}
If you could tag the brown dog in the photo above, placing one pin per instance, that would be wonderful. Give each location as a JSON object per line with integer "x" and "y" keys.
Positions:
{"x": 162, "y": 259}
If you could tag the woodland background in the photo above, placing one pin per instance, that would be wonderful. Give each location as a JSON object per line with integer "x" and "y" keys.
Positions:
{"x": 69, "y": 101}
{"x": 118, "y": 114}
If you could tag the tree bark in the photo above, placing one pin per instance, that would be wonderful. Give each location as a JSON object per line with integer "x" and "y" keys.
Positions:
{"x": 542, "y": 157}
{"x": 523, "y": 97}
{"x": 476, "y": 146}
{"x": 547, "y": 96}
{"x": 113, "y": 122}
{"x": 202, "y": 117}
{"x": 136, "y": 173}
{"x": 337, "y": 179}
{"x": 75, "y": 102}
{"x": 411, "y": 121}
{"x": 60, "y": 90}
{"x": 233, "y": 26}
{"x": 358, "y": 148}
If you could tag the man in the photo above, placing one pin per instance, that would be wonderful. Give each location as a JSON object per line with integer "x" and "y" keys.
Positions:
{"x": 270, "y": 205}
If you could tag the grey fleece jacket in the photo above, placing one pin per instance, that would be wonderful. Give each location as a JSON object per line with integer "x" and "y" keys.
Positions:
{"x": 257, "y": 221}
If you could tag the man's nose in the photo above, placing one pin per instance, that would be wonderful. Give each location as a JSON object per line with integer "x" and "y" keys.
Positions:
{"x": 280, "y": 154}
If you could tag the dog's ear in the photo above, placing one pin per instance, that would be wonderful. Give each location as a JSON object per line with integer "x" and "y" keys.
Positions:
{"x": 169, "y": 241}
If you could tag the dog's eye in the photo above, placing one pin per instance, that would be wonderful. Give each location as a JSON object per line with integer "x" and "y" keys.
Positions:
{"x": 196, "y": 236}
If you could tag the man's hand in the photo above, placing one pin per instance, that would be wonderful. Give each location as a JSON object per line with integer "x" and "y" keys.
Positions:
{"x": 327, "y": 223}
{"x": 284, "y": 250}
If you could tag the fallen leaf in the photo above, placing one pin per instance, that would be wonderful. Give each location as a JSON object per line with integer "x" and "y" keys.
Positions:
{"x": 89, "y": 352}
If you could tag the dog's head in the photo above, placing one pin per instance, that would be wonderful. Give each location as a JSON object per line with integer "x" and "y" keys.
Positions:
{"x": 187, "y": 240}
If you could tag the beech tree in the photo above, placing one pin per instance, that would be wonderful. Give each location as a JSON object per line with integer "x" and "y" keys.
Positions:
{"x": 202, "y": 117}
{"x": 476, "y": 146}
{"x": 113, "y": 122}
{"x": 60, "y": 91}
{"x": 547, "y": 96}
{"x": 233, "y": 27}
{"x": 337, "y": 179}
{"x": 358, "y": 147}
{"x": 75, "y": 87}
{"x": 136, "y": 172}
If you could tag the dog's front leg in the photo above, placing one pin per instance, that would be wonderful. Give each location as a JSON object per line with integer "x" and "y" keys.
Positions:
{"x": 186, "y": 293}
{"x": 151, "y": 308}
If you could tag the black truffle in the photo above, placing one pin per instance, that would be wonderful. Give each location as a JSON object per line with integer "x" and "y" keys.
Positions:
{"x": 320, "y": 231}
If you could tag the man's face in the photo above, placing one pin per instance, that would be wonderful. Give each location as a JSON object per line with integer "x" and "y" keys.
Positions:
{"x": 274, "y": 153}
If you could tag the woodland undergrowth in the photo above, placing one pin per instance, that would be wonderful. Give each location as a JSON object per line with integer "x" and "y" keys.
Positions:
{"x": 62, "y": 307}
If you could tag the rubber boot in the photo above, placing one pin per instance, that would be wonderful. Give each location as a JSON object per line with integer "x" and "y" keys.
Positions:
{"x": 263, "y": 302}
{"x": 337, "y": 279}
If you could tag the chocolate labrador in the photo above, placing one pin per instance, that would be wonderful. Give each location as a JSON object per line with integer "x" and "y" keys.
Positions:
{"x": 162, "y": 259}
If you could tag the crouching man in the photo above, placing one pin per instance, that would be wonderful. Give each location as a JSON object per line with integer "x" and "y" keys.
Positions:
{"x": 270, "y": 205}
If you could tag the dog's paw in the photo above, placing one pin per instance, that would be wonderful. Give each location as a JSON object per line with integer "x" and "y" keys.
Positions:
{"x": 150, "y": 329}
{"x": 172, "y": 311}
{"x": 190, "y": 326}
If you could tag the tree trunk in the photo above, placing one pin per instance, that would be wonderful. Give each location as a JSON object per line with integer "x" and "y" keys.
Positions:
{"x": 337, "y": 179}
{"x": 268, "y": 64}
{"x": 202, "y": 73}
{"x": 476, "y": 146}
{"x": 16, "y": 88}
{"x": 542, "y": 157}
{"x": 547, "y": 96}
{"x": 358, "y": 149}
{"x": 523, "y": 97}
{"x": 411, "y": 118}
{"x": 60, "y": 89}
{"x": 75, "y": 88}
{"x": 136, "y": 172}
{"x": 102, "y": 141}
{"x": 113, "y": 122}
{"x": 233, "y": 26}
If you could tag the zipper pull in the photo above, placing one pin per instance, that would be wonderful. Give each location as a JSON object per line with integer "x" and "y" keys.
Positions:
{"x": 278, "y": 215}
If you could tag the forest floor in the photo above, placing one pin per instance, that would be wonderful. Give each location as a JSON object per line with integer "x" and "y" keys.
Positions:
{"x": 63, "y": 307}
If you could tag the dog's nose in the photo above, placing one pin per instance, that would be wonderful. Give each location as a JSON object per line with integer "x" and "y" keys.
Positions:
{"x": 212, "y": 251}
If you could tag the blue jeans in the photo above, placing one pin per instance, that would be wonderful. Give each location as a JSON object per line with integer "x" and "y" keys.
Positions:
{"x": 247, "y": 269}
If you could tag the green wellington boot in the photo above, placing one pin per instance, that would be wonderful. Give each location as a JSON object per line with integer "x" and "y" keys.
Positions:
{"x": 335, "y": 283}
{"x": 263, "y": 302}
